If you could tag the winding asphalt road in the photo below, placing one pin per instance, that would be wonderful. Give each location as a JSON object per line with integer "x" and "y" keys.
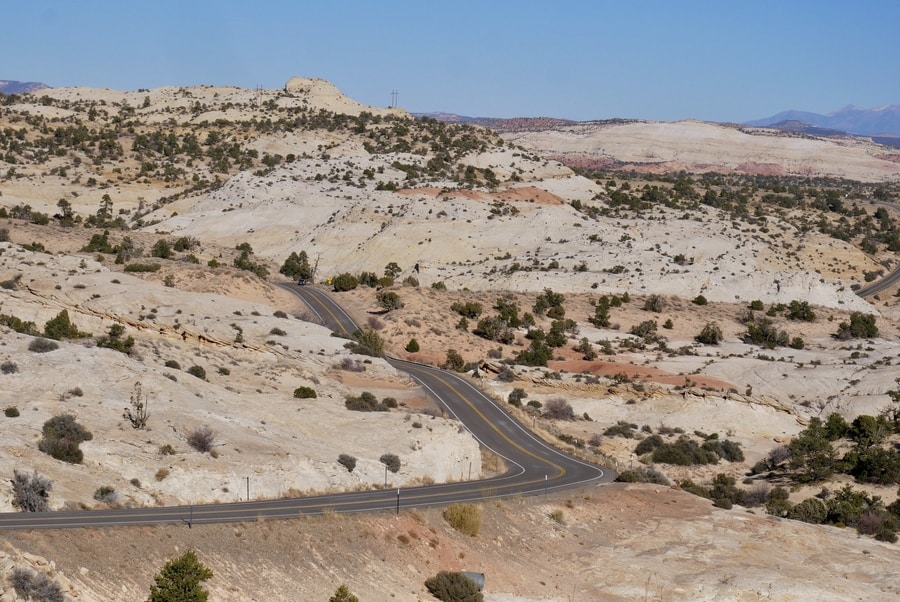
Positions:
{"x": 533, "y": 467}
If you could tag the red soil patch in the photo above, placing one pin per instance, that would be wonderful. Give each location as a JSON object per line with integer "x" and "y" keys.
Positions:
{"x": 531, "y": 194}
{"x": 646, "y": 373}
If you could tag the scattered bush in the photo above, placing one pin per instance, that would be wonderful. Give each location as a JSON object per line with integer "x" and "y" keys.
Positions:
{"x": 516, "y": 396}
{"x": 449, "y": 586}
{"x": 643, "y": 475}
{"x": 654, "y": 303}
{"x": 30, "y": 585}
{"x": 388, "y": 300}
{"x": 861, "y": 326}
{"x": 173, "y": 364}
{"x": 180, "y": 579}
{"x": 11, "y": 412}
{"x": 202, "y": 438}
{"x": 277, "y": 332}
{"x": 305, "y": 393}
{"x": 454, "y": 361}
{"x": 621, "y": 429}
{"x": 710, "y": 335}
{"x": 106, "y": 494}
{"x": 344, "y": 282}
{"x": 197, "y": 371}
{"x": 166, "y": 450}
{"x": 558, "y": 409}
{"x": 343, "y": 594}
{"x": 366, "y": 402}
{"x": 699, "y": 300}
{"x": 61, "y": 437}
{"x": 42, "y": 345}
{"x": 366, "y": 342}
{"x": 465, "y": 518}
{"x": 347, "y": 461}
{"x": 392, "y": 461}
{"x": 9, "y": 367}
{"x": 142, "y": 267}
{"x": 161, "y": 474}
{"x": 31, "y": 492}
{"x": 412, "y": 346}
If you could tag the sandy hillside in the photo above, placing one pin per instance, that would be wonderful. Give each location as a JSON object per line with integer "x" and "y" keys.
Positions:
{"x": 699, "y": 147}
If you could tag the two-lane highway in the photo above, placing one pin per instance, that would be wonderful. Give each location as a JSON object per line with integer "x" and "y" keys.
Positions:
{"x": 532, "y": 466}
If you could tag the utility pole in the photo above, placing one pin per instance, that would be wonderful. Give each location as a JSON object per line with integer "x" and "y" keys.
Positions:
{"x": 394, "y": 94}
{"x": 248, "y": 489}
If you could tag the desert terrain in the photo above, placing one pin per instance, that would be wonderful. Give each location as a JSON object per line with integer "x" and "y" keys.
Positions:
{"x": 234, "y": 181}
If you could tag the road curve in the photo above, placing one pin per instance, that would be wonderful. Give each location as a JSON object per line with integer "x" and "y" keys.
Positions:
{"x": 533, "y": 467}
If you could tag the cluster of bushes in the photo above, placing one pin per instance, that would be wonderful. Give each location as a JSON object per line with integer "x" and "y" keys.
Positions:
{"x": 685, "y": 451}
{"x": 305, "y": 393}
{"x": 811, "y": 455}
{"x": 845, "y": 507}
{"x": 390, "y": 461}
{"x": 366, "y": 402}
{"x": 366, "y": 342}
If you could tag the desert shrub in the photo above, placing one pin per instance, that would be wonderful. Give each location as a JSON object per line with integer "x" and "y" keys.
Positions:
{"x": 106, "y": 494}
{"x": 726, "y": 449}
{"x": 18, "y": 325}
{"x": 465, "y": 518}
{"x": 277, "y": 332}
{"x": 800, "y": 310}
{"x": 412, "y": 346}
{"x": 343, "y": 594}
{"x": 648, "y": 445}
{"x": 366, "y": 342}
{"x": 61, "y": 437}
{"x": 305, "y": 393}
{"x": 142, "y": 267}
{"x": 11, "y": 412}
{"x": 757, "y": 305}
{"x": 644, "y": 329}
{"x": 439, "y": 286}
{"x": 683, "y": 452}
{"x": 392, "y": 461}
{"x": 861, "y": 326}
{"x": 621, "y": 429}
{"x": 161, "y": 249}
{"x": 280, "y": 314}
{"x": 449, "y": 586}
{"x": 777, "y": 503}
{"x": 42, "y": 345}
{"x": 161, "y": 474}
{"x": 654, "y": 303}
{"x": 166, "y": 450}
{"x": 114, "y": 340}
{"x": 202, "y": 438}
{"x": 388, "y": 300}
{"x": 710, "y": 335}
{"x": 180, "y": 580}
{"x": 347, "y": 461}
{"x": 197, "y": 371}
{"x": 344, "y": 282}
{"x": 454, "y": 361}
{"x": 810, "y": 510}
{"x": 469, "y": 309}
{"x": 699, "y": 300}
{"x": 31, "y": 492}
{"x": 9, "y": 367}
{"x": 761, "y": 331}
{"x": 30, "y": 585}
{"x": 558, "y": 409}
{"x": 516, "y": 396}
{"x": 61, "y": 327}
{"x": 643, "y": 475}
{"x": 366, "y": 402}
{"x": 173, "y": 364}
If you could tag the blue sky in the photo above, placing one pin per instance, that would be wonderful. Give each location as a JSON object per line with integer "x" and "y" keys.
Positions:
{"x": 722, "y": 60}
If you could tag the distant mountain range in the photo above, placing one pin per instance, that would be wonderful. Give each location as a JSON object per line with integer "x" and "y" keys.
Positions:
{"x": 13, "y": 87}
{"x": 880, "y": 122}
